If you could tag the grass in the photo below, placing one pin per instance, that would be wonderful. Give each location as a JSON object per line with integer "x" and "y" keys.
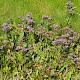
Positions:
{"x": 39, "y": 57}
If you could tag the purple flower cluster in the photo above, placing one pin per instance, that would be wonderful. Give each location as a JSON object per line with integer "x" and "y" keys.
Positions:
{"x": 30, "y": 29}
{"x": 59, "y": 41}
{"x": 75, "y": 58}
{"x": 41, "y": 31}
{"x": 1, "y": 47}
{"x": 47, "y": 18}
{"x": 21, "y": 49}
{"x": 55, "y": 27}
{"x": 66, "y": 38}
{"x": 70, "y": 8}
{"x": 5, "y": 27}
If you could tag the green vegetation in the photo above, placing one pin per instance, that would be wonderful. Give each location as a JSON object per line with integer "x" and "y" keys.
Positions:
{"x": 44, "y": 44}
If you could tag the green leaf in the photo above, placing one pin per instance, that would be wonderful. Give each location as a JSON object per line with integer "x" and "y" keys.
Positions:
{"x": 68, "y": 75}
{"x": 36, "y": 73}
{"x": 62, "y": 69}
{"x": 21, "y": 34}
{"x": 15, "y": 25}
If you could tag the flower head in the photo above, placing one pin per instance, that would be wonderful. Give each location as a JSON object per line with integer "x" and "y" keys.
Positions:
{"x": 5, "y": 27}
{"x": 59, "y": 41}
{"x": 1, "y": 47}
{"x": 45, "y": 17}
{"x": 30, "y": 29}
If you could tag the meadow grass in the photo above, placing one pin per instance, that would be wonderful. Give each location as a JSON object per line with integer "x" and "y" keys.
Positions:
{"x": 47, "y": 52}
{"x": 53, "y": 8}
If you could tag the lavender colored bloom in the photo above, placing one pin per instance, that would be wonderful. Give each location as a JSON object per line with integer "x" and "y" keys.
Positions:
{"x": 20, "y": 25}
{"x": 30, "y": 29}
{"x": 49, "y": 32}
{"x": 47, "y": 36}
{"x": 21, "y": 42}
{"x": 5, "y": 42}
{"x": 75, "y": 35}
{"x": 39, "y": 25}
{"x": 19, "y": 17}
{"x": 50, "y": 19}
{"x": 1, "y": 47}
{"x": 70, "y": 8}
{"x": 76, "y": 59}
{"x": 36, "y": 44}
{"x": 30, "y": 47}
{"x": 59, "y": 41}
{"x": 29, "y": 14}
{"x": 64, "y": 36}
{"x": 23, "y": 50}
{"x": 71, "y": 38}
{"x": 59, "y": 47}
{"x": 67, "y": 35}
{"x": 69, "y": 5}
{"x": 29, "y": 21}
{"x": 66, "y": 30}
{"x": 5, "y": 27}
{"x": 71, "y": 11}
{"x": 79, "y": 49}
{"x": 70, "y": 32}
{"x": 55, "y": 27}
{"x": 18, "y": 48}
{"x": 66, "y": 47}
{"x": 45, "y": 17}
{"x": 41, "y": 31}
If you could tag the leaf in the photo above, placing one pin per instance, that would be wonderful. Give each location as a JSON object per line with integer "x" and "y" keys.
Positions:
{"x": 62, "y": 69}
{"x": 68, "y": 75}
{"x": 36, "y": 73}
{"x": 21, "y": 34}
{"x": 15, "y": 25}
{"x": 24, "y": 45}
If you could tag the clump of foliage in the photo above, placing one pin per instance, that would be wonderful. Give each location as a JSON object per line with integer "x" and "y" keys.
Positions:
{"x": 44, "y": 51}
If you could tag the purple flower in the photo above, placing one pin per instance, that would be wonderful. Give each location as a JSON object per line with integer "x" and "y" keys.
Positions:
{"x": 30, "y": 47}
{"x": 30, "y": 29}
{"x": 78, "y": 49}
{"x": 47, "y": 36}
{"x": 5, "y": 27}
{"x": 64, "y": 36}
{"x": 59, "y": 47}
{"x": 41, "y": 31}
{"x": 71, "y": 38}
{"x": 29, "y": 21}
{"x": 1, "y": 47}
{"x": 23, "y": 50}
{"x": 5, "y": 42}
{"x": 69, "y": 5}
{"x": 59, "y": 41}
{"x": 20, "y": 25}
{"x": 18, "y": 48}
{"x": 29, "y": 15}
{"x": 50, "y": 19}
{"x": 66, "y": 47}
{"x": 39, "y": 25}
{"x": 71, "y": 32}
{"x": 45, "y": 17}
{"x": 36, "y": 44}
{"x": 55, "y": 27}
{"x": 76, "y": 59}
{"x": 75, "y": 35}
